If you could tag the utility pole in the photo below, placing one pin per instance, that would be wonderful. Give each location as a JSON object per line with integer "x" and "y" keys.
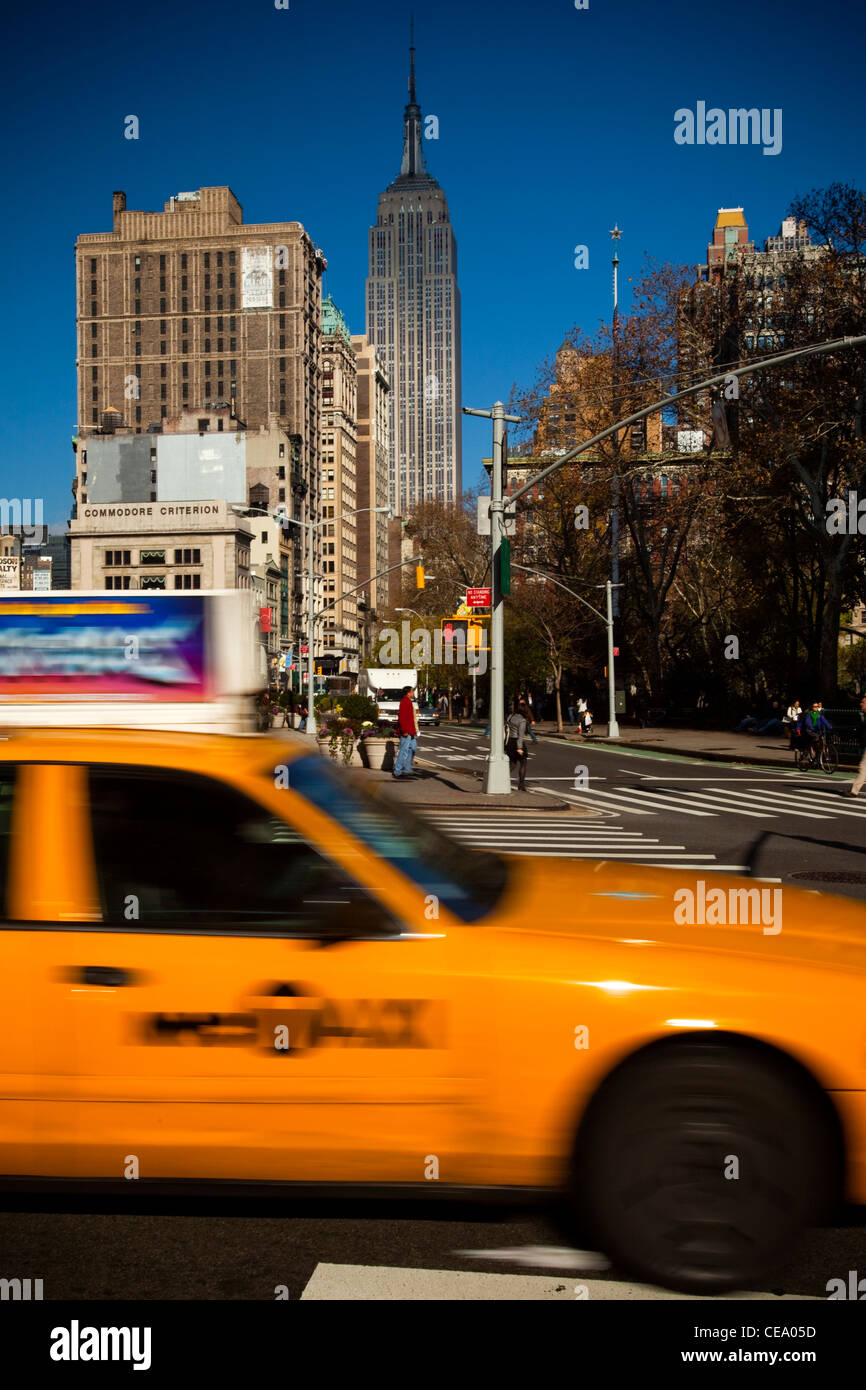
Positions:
{"x": 612, "y": 724}
{"x": 497, "y": 772}
{"x": 615, "y": 235}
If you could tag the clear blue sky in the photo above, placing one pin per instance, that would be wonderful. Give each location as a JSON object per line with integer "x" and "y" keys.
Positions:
{"x": 554, "y": 124}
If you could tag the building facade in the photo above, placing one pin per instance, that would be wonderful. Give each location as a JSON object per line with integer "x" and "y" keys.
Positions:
{"x": 373, "y": 463}
{"x": 160, "y": 545}
{"x": 191, "y": 323}
{"x": 413, "y": 317}
{"x": 339, "y": 492}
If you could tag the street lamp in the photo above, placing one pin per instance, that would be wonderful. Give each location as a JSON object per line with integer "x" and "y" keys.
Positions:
{"x": 311, "y": 526}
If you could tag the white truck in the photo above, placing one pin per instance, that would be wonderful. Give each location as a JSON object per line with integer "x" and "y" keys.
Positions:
{"x": 131, "y": 658}
{"x": 385, "y": 685}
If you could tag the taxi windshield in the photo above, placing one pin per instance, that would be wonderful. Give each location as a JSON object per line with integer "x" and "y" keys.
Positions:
{"x": 468, "y": 883}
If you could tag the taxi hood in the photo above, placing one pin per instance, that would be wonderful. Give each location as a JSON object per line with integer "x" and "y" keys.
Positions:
{"x": 685, "y": 909}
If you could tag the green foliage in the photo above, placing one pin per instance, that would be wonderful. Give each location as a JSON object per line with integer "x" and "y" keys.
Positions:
{"x": 358, "y": 709}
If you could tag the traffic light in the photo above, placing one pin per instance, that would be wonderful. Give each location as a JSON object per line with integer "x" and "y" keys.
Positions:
{"x": 451, "y": 627}
{"x": 419, "y": 576}
{"x": 468, "y": 631}
{"x": 505, "y": 566}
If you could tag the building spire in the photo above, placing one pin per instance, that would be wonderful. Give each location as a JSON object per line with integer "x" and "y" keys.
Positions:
{"x": 412, "y": 61}
{"x": 413, "y": 153}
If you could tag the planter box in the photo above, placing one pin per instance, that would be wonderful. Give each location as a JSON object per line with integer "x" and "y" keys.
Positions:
{"x": 378, "y": 753}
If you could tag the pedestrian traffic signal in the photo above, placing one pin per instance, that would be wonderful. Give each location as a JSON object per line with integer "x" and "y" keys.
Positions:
{"x": 419, "y": 576}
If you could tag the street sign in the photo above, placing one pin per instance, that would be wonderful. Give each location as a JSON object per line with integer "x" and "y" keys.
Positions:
{"x": 264, "y": 619}
{"x": 483, "y": 527}
{"x": 478, "y": 598}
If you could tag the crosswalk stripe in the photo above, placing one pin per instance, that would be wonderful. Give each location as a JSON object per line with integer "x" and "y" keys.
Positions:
{"x": 723, "y": 800}
{"x": 657, "y": 802}
{"x": 391, "y": 1283}
{"x": 755, "y": 806}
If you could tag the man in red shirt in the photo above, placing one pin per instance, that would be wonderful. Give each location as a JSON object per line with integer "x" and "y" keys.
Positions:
{"x": 408, "y": 735}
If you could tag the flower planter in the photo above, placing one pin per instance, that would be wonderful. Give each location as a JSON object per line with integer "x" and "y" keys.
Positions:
{"x": 378, "y": 753}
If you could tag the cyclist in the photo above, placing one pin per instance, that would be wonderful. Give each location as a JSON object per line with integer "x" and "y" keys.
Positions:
{"x": 811, "y": 728}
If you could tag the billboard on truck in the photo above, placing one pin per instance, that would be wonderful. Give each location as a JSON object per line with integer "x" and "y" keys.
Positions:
{"x": 114, "y": 647}
{"x": 131, "y": 658}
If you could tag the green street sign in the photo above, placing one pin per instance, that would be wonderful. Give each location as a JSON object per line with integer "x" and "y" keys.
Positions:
{"x": 505, "y": 566}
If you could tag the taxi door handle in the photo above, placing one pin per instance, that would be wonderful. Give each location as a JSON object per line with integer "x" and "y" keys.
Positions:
{"x": 110, "y": 976}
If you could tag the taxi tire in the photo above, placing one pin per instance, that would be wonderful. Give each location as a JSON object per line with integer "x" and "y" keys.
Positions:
{"x": 649, "y": 1184}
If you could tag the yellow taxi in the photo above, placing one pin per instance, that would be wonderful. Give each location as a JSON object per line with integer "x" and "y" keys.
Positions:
{"x": 223, "y": 959}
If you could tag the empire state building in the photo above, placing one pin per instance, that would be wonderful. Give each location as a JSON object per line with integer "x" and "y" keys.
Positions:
{"x": 413, "y": 316}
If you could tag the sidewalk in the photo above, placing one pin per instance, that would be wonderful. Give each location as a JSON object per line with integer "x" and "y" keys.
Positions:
{"x": 714, "y": 745}
{"x": 441, "y": 790}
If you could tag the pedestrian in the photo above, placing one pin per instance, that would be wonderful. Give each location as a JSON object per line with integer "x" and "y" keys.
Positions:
{"x": 529, "y": 715}
{"x": 408, "y": 727}
{"x": 857, "y": 785}
{"x": 457, "y": 706}
{"x": 516, "y": 727}
{"x": 443, "y": 706}
{"x": 570, "y": 707}
{"x": 791, "y": 718}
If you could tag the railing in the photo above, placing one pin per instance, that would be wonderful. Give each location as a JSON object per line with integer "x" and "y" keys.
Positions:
{"x": 845, "y": 734}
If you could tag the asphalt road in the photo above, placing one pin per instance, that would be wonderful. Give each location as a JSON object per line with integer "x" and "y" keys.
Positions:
{"x": 666, "y": 810}
{"x": 202, "y": 1248}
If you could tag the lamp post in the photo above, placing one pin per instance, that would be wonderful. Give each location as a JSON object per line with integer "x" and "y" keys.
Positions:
{"x": 311, "y": 526}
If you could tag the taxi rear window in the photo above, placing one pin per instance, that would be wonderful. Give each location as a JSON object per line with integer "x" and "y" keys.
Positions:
{"x": 467, "y": 882}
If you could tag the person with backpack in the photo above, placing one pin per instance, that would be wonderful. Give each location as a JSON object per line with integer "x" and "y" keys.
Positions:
{"x": 516, "y": 729}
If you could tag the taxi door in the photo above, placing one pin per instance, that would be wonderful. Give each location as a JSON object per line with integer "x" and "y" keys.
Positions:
{"x": 48, "y": 895}
{"x": 18, "y": 1065}
{"x": 245, "y": 1008}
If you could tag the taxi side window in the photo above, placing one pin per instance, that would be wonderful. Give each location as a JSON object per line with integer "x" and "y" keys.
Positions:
{"x": 189, "y": 852}
{"x": 7, "y": 792}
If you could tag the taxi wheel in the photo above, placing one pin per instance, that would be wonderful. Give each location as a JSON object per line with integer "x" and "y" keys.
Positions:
{"x": 699, "y": 1164}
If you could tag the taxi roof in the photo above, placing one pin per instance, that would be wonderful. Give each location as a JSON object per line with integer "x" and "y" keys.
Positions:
{"x": 148, "y": 747}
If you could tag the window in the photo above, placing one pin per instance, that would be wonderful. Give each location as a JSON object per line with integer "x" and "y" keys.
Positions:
{"x": 207, "y": 302}
{"x": 184, "y": 326}
{"x": 187, "y": 557}
{"x": 207, "y": 260}
{"x": 138, "y": 306}
{"x": 207, "y": 344}
{"x": 117, "y": 581}
{"x": 93, "y": 265}
{"x": 93, "y": 330}
{"x": 231, "y": 257}
{"x": 207, "y": 282}
{"x": 152, "y": 581}
{"x": 203, "y": 425}
{"x": 162, "y": 282}
{"x": 183, "y": 261}
{"x": 184, "y": 305}
{"x": 243, "y": 869}
{"x": 117, "y": 557}
{"x": 151, "y": 557}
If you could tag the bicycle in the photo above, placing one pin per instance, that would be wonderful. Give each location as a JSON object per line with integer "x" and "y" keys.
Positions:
{"x": 818, "y": 754}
